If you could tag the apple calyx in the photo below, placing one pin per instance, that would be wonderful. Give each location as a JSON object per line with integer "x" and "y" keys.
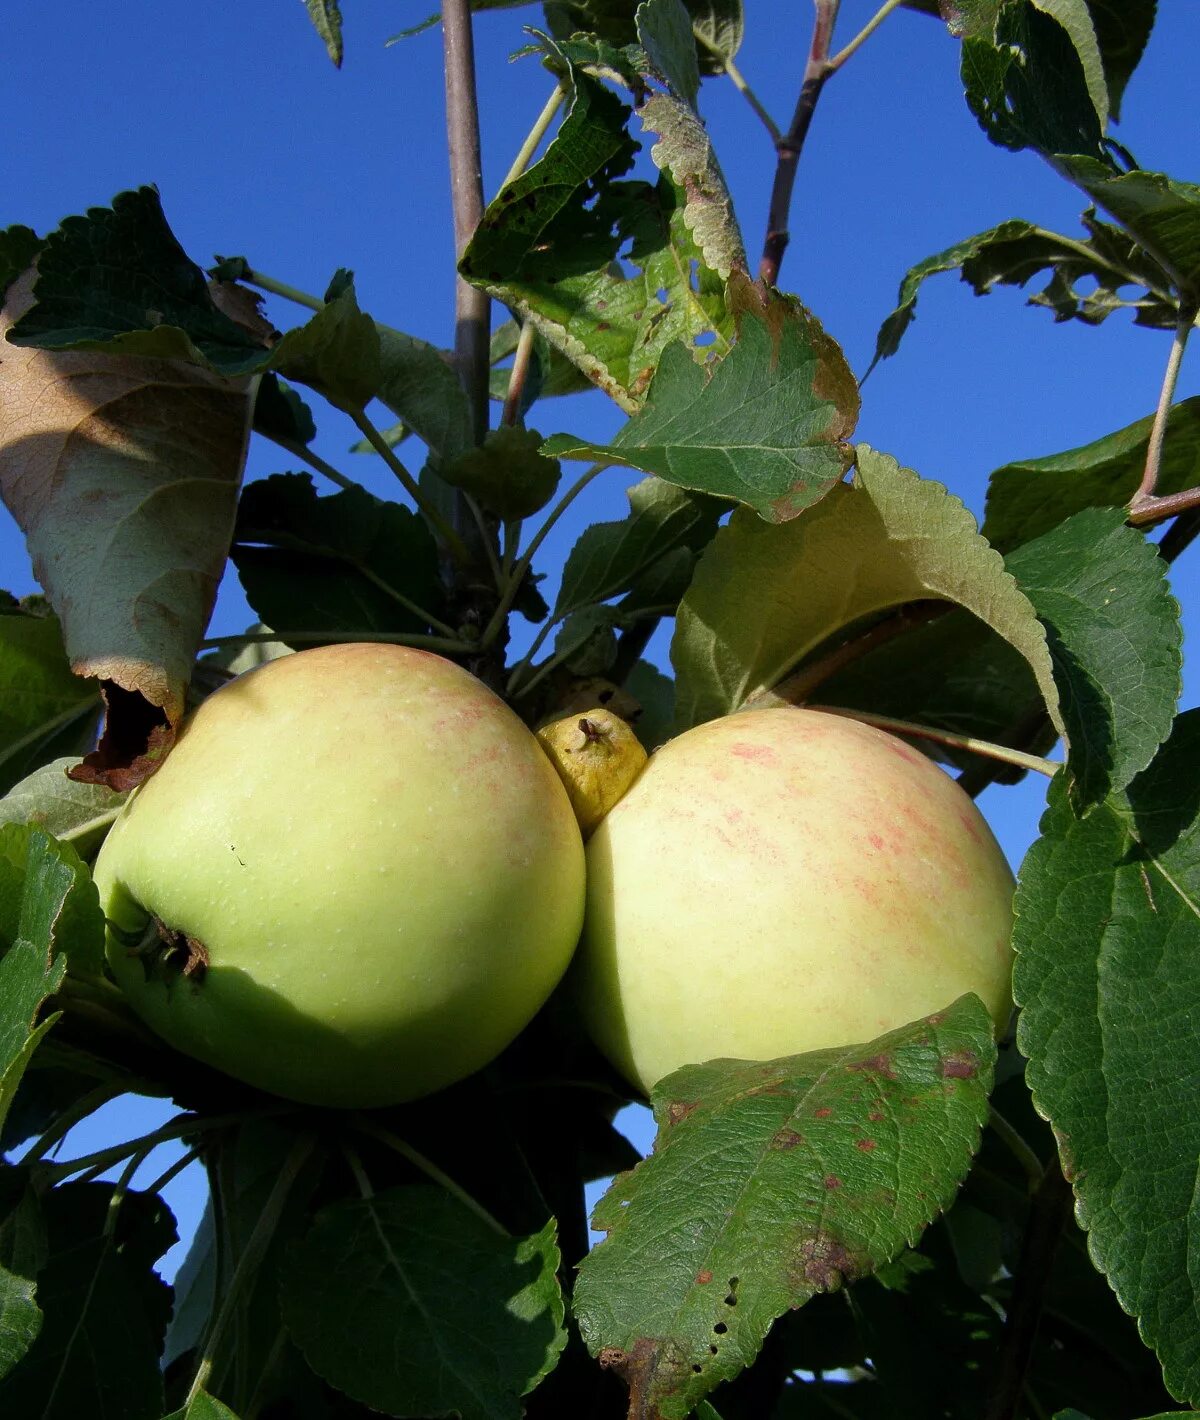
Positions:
{"x": 598, "y": 757}
{"x": 164, "y": 952}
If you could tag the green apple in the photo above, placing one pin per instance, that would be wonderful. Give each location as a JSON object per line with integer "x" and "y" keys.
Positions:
{"x": 784, "y": 880}
{"x": 355, "y": 878}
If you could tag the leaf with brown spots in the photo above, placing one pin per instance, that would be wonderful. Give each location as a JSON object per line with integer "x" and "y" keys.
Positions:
{"x": 774, "y": 1183}
{"x": 122, "y": 472}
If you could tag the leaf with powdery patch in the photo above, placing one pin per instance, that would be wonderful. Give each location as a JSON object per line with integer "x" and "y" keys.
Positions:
{"x": 412, "y": 1304}
{"x": 123, "y": 473}
{"x": 1028, "y": 498}
{"x": 105, "y": 1309}
{"x": 548, "y": 247}
{"x": 1014, "y": 253}
{"x": 771, "y": 1182}
{"x": 78, "y": 814}
{"x": 888, "y": 539}
{"x": 767, "y": 424}
{"x": 610, "y": 558}
{"x": 1160, "y": 212}
{"x": 1107, "y": 939}
{"x": 326, "y": 18}
{"x": 1112, "y": 625}
{"x": 116, "y": 279}
{"x": 44, "y": 709}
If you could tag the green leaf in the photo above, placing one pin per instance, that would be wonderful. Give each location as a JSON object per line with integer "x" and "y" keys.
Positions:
{"x": 1122, "y": 29}
{"x": 720, "y": 22}
{"x": 1028, "y": 498}
{"x": 337, "y": 352}
{"x": 104, "y": 1310}
{"x": 771, "y": 1182}
{"x": 766, "y": 598}
{"x": 1016, "y": 252}
{"x": 611, "y": 558}
{"x": 116, "y": 279}
{"x": 335, "y": 563}
{"x": 32, "y": 863}
{"x": 506, "y": 473}
{"x": 203, "y": 1406}
{"x": 655, "y": 693}
{"x": 1160, "y": 212}
{"x": 1027, "y": 85}
{"x": 1112, "y": 626}
{"x": 327, "y": 21}
{"x": 409, "y": 1303}
{"x": 19, "y": 247}
{"x": 1075, "y": 17}
{"x": 44, "y": 709}
{"x": 586, "y": 641}
{"x": 664, "y": 30}
{"x": 548, "y": 247}
{"x": 78, "y": 814}
{"x": 280, "y": 413}
{"x": 22, "y": 1256}
{"x": 766, "y": 425}
{"x": 422, "y": 389}
{"x": 1107, "y": 941}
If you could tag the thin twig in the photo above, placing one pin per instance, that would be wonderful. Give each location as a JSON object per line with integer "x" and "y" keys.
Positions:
{"x": 1148, "y": 511}
{"x": 739, "y": 82}
{"x": 518, "y": 375}
{"x": 864, "y": 34}
{"x": 1162, "y": 414}
{"x": 536, "y": 134}
{"x": 816, "y": 71}
{"x": 472, "y": 306}
{"x": 1017, "y": 1147}
{"x": 281, "y": 288}
{"x": 313, "y": 460}
{"x": 1001, "y": 753}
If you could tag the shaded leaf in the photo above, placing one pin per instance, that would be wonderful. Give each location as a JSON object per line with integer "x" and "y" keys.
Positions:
{"x": 506, "y": 473}
{"x": 1016, "y": 252}
{"x": 1122, "y": 29}
{"x": 664, "y": 30}
{"x": 1112, "y": 625}
{"x": 1160, "y": 212}
{"x": 421, "y": 388}
{"x": 344, "y": 562}
{"x": 203, "y": 1406}
{"x": 611, "y": 558}
{"x": 280, "y": 413}
{"x": 78, "y": 814}
{"x": 766, "y": 424}
{"x": 19, "y": 247}
{"x": 326, "y": 17}
{"x": 1106, "y": 941}
{"x": 117, "y": 280}
{"x": 44, "y": 709}
{"x": 410, "y": 1303}
{"x": 104, "y": 1310}
{"x": 336, "y": 352}
{"x": 22, "y": 1256}
{"x": 122, "y": 473}
{"x": 771, "y": 1182}
{"x": 655, "y": 694}
{"x": 1026, "y": 84}
{"x": 1027, "y": 498}
{"x": 586, "y": 642}
{"x": 720, "y": 22}
{"x": 765, "y": 598}
{"x": 549, "y": 247}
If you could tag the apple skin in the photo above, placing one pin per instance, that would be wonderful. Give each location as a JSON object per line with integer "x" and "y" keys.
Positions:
{"x": 382, "y": 866}
{"x": 783, "y": 880}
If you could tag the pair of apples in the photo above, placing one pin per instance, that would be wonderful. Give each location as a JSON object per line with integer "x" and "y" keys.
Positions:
{"x": 357, "y": 877}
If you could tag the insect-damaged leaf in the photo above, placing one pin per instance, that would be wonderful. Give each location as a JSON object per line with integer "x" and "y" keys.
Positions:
{"x": 770, "y": 1182}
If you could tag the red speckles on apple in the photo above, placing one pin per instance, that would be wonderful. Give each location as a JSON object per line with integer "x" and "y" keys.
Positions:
{"x": 760, "y": 754}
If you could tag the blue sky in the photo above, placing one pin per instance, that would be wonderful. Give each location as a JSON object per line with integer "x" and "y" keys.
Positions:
{"x": 259, "y": 147}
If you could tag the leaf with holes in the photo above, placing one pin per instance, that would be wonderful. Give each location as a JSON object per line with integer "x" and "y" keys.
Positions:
{"x": 870, "y": 547}
{"x": 771, "y": 1182}
{"x": 1107, "y": 939}
{"x": 549, "y": 247}
{"x": 1100, "y": 589}
{"x": 412, "y": 1304}
{"x": 1028, "y": 498}
{"x": 766, "y": 425}
{"x": 1086, "y": 280}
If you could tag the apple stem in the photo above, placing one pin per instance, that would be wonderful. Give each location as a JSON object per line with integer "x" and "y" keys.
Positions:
{"x": 1016, "y": 757}
{"x": 428, "y": 1168}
